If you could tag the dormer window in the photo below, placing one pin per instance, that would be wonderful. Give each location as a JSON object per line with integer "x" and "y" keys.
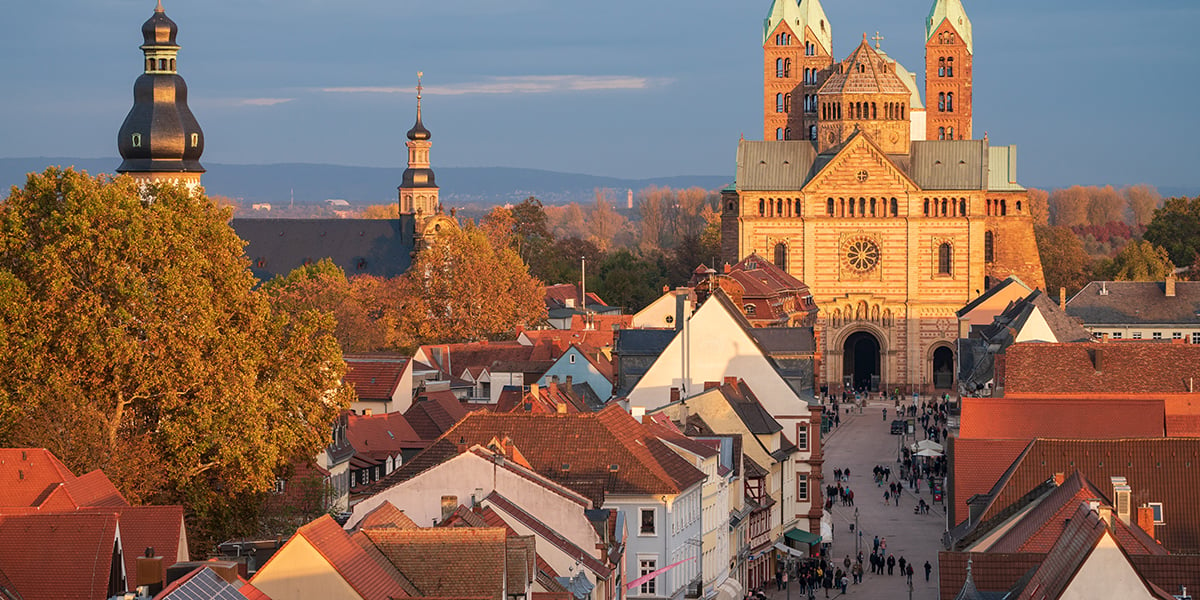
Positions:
{"x": 137, "y": 140}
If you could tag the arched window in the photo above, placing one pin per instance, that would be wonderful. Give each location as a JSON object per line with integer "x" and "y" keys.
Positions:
{"x": 874, "y": 114}
{"x": 779, "y": 68}
{"x": 781, "y": 256}
{"x": 945, "y": 259}
{"x": 945, "y": 207}
{"x": 149, "y": 64}
{"x": 895, "y": 208}
{"x": 762, "y": 207}
{"x": 136, "y": 140}
{"x": 873, "y": 213}
{"x": 787, "y": 103}
{"x": 812, "y": 132}
{"x": 989, "y": 249}
{"x": 779, "y": 207}
{"x": 949, "y": 133}
{"x": 1004, "y": 208}
{"x": 731, "y": 206}
{"x": 927, "y": 207}
{"x": 779, "y": 134}
{"x": 942, "y": 67}
{"x": 787, "y": 67}
{"x": 162, "y": 64}
{"x": 195, "y": 140}
{"x": 787, "y": 133}
{"x": 901, "y": 112}
{"x": 172, "y": 64}
{"x": 862, "y": 207}
{"x": 941, "y": 133}
{"x": 1018, "y": 207}
{"x": 942, "y": 101}
{"x": 779, "y": 103}
{"x": 950, "y": 67}
{"x": 797, "y": 213}
{"x": 850, "y": 213}
{"x": 950, "y": 102}
{"x": 962, "y": 207}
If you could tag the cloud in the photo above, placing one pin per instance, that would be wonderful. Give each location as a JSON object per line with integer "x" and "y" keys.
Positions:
{"x": 527, "y": 84}
{"x": 239, "y": 102}
{"x": 263, "y": 101}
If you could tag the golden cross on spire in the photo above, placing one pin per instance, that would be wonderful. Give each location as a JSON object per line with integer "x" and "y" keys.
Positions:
{"x": 878, "y": 38}
{"x": 420, "y": 89}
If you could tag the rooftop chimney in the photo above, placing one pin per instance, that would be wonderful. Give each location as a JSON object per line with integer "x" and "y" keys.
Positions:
{"x": 1145, "y": 520}
{"x": 534, "y": 389}
{"x": 150, "y": 572}
{"x": 1062, "y": 297}
{"x": 638, "y": 413}
{"x": 731, "y": 380}
{"x": 674, "y": 395}
{"x": 1059, "y": 478}
{"x": 711, "y": 385}
{"x": 1098, "y": 359}
{"x": 367, "y": 412}
{"x": 1105, "y": 513}
{"x": 1171, "y": 286}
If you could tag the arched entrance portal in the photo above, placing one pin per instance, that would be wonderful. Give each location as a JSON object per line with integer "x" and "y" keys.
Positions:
{"x": 943, "y": 368}
{"x": 861, "y": 361}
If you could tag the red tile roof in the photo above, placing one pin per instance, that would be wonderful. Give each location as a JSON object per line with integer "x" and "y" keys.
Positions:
{"x": 976, "y": 465}
{"x": 1165, "y": 470}
{"x": 29, "y": 475}
{"x": 1140, "y": 368}
{"x": 454, "y": 562}
{"x": 95, "y": 489}
{"x": 386, "y": 515}
{"x": 367, "y": 571}
{"x": 58, "y": 556}
{"x": 377, "y": 437}
{"x": 1027, "y": 418}
{"x": 142, "y": 527}
{"x": 433, "y": 413}
{"x": 558, "y": 294}
{"x": 578, "y": 451}
{"x": 376, "y": 377}
{"x": 456, "y": 358}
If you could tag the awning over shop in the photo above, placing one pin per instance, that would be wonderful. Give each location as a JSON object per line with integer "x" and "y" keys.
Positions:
{"x": 790, "y": 551}
{"x": 729, "y": 589}
{"x": 803, "y": 537}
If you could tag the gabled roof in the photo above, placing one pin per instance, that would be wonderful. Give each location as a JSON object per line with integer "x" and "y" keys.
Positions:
{"x": 433, "y": 559}
{"x": 386, "y": 515}
{"x": 360, "y": 565}
{"x": 29, "y": 475}
{"x": 950, "y": 164}
{"x": 1136, "y": 303}
{"x": 64, "y": 556}
{"x": 1075, "y": 544}
{"x": 574, "y": 450}
{"x": 376, "y": 377}
{"x": 544, "y": 532}
{"x": 1136, "y": 368}
{"x": 775, "y": 166}
{"x": 864, "y": 72}
{"x": 743, "y": 402}
{"x": 1158, "y": 470}
{"x": 158, "y": 527}
{"x": 643, "y": 342}
{"x": 1010, "y": 281}
{"x": 1007, "y": 327}
{"x": 377, "y": 437}
{"x": 762, "y": 278}
{"x": 433, "y": 413}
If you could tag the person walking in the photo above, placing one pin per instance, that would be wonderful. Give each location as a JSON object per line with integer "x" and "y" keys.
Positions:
{"x": 908, "y": 572}
{"x": 887, "y": 497}
{"x": 928, "y": 569}
{"x": 902, "y": 563}
{"x": 857, "y": 572}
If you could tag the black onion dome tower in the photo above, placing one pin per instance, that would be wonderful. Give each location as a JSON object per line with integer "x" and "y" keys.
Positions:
{"x": 419, "y": 191}
{"x": 160, "y": 139}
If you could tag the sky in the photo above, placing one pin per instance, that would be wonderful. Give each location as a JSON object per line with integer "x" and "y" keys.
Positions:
{"x": 1092, "y": 92}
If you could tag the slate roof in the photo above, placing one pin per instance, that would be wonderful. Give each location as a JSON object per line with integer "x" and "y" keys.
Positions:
{"x": 1005, "y": 327}
{"x": 1138, "y": 368}
{"x": 379, "y": 247}
{"x": 360, "y": 565}
{"x": 987, "y": 295}
{"x": 58, "y": 556}
{"x": 1050, "y": 417}
{"x": 743, "y": 402}
{"x": 375, "y": 377}
{"x": 1136, "y": 303}
{"x": 643, "y": 342}
{"x": 1165, "y": 470}
{"x": 934, "y": 165}
{"x": 587, "y": 444}
{"x": 454, "y": 562}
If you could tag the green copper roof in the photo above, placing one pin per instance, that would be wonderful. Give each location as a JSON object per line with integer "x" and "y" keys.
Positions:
{"x": 953, "y": 11}
{"x": 798, "y": 15}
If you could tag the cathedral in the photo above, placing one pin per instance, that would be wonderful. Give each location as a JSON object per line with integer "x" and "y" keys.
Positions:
{"x": 161, "y": 141}
{"x": 877, "y": 198}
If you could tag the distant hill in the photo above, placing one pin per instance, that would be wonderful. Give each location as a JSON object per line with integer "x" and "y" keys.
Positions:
{"x": 314, "y": 183}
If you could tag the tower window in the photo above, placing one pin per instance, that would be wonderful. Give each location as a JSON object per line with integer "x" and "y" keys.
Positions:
{"x": 779, "y": 103}
{"x": 945, "y": 259}
{"x": 950, "y": 102}
{"x": 195, "y": 140}
{"x": 779, "y": 134}
{"x": 137, "y": 140}
{"x": 942, "y": 67}
{"x": 162, "y": 64}
{"x": 779, "y": 68}
{"x": 962, "y": 207}
{"x": 941, "y": 102}
{"x": 989, "y": 248}
{"x": 950, "y": 133}
{"x": 787, "y": 67}
{"x": 781, "y": 256}
{"x": 941, "y": 133}
{"x": 149, "y": 64}
{"x": 787, "y": 103}
{"x": 812, "y": 132}
{"x": 762, "y": 207}
{"x": 950, "y": 67}
{"x": 787, "y": 133}
{"x": 829, "y": 206}
{"x": 895, "y": 208}
{"x": 172, "y": 64}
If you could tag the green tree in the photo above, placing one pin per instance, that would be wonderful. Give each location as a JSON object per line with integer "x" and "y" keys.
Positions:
{"x": 134, "y": 342}
{"x": 1064, "y": 261}
{"x": 624, "y": 279}
{"x": 1176, "y": 227}
{"x": 1139, "y": 261}
{"x": 462, "y": 287}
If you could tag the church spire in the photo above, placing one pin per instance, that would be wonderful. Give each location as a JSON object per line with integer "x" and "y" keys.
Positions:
{"x": 419, "y": 191}
{"x": 418, "y": 132}
{"x": 953, "y": 12}
{"x": 160, "y": 138}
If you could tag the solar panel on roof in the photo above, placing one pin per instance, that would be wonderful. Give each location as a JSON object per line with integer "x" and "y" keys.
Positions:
{"x": 205, "y": 585}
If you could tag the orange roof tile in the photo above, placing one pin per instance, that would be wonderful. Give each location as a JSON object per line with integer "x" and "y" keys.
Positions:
{"x": 29, "y": 475}
{"x": 1139, "y": 368}
{"x": 1027, "y": 418}
{"x": 447, "y": 562}
{"x": 368, "y": 572}
{"x": 95, "y": 489}
{"x": 976, "y": 465}
{"x": 66, "y": 556}
{"x": 376, "y": 377}
{"x": 386, "y": 515}
{"x": 158, "y": 527}
{"x": 378, "y": 437}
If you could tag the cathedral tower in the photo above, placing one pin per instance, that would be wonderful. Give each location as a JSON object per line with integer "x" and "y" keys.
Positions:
{"x": 160, "y": 139}
{"x": 949, "y": 51}
{"x": 797, "y": 53}
{"x": 865, "y": 93}
{"x": 419, "y": 191}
